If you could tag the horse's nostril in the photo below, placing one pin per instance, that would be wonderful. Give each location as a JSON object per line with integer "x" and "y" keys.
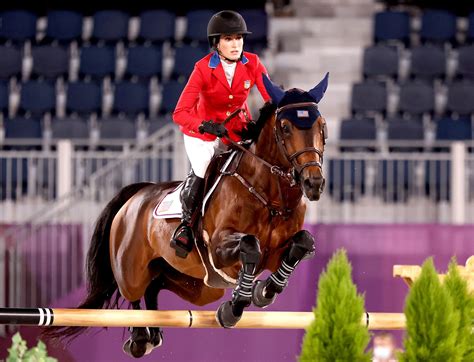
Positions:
{"x": 312, "y": 183}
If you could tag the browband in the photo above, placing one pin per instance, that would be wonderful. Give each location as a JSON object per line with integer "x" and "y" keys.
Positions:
{"x": 296, "y": 105}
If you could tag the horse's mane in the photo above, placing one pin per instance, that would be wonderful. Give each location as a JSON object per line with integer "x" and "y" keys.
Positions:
{"x": 253, "y": 130}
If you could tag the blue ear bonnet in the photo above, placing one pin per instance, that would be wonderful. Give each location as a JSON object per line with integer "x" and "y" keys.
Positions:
{"x": 301, "y": 117}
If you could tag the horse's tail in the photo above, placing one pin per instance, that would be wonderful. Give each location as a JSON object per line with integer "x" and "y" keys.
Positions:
{"x": 101, "y": 284}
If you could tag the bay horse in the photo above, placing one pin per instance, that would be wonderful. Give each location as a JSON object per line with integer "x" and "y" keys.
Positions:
{"x": 253, "y": 223}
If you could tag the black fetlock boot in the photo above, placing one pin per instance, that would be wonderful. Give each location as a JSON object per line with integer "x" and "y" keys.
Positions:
{"x": 183, "y": 237}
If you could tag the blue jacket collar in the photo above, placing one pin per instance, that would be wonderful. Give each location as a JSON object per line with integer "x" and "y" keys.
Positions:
{"x": 215, "y": 60}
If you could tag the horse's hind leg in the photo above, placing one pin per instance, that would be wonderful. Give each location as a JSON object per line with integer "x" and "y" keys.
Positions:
{"x": 151, "y": 302}
{"x": 137, "y": 345}
{"x": 143, "y": 340}
{"x": 300, "y": 246}
{"x": 230, "y": 312}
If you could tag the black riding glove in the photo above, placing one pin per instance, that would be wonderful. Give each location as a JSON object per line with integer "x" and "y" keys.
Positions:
{"x": 210, "y": 127}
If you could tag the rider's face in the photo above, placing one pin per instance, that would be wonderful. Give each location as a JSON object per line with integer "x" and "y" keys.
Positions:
{"x": 230, "y": 45}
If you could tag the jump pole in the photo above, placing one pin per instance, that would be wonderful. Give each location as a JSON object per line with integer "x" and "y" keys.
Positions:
{"x": 60, "y": 317}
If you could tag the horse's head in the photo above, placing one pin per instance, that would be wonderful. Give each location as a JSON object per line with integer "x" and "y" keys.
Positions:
{"x": 301, "y": 133}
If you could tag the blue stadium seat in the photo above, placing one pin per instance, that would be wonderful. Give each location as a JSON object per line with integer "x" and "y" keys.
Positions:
{"x": 428, "y": 62}
{"x": 144, "y": 62}
{"x": 403, "y": 129}
{"x": 117, "y": 129}
{"x": 37, "y": 97}
{"x": 448, "y": 129}
{"x": 466, "y": 62}
{"x": 10, "y": 62}
{"x": 23, "y": 127}
{"x": 470, "y": 30}
{"x": 400, "y": 129}
{"x": 64, "y": 26}
{"x": 461, "y": 98}
{"x": 416, "y": 98}
{"x": 369, "y": 97}
{"x": 380, "y": 60}
{"x": 131, "y": 98}
{"x": 4, "y": 95}
{"x": 110, "y": 26}
{"x": 97, "y": 62}
{"x": 157, "y": 26}
{"x": 83, "y": 98}
{"x": 170, "y": 95}
{"x": 185, "y": 59}
{"x": 196, "y": 27}
{"x": 70, "y": 128}
{"x": 358, "y": 129}
{"x": 50, "y": 61}
{"x": 257, "y": 23}
{"x": 392, "y": 26}
{"x": 18, "y": 26}
{"x": 438, "y": 26}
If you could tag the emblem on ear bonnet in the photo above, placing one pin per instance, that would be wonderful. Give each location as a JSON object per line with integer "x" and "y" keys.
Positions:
{"x": 277, "y": 93}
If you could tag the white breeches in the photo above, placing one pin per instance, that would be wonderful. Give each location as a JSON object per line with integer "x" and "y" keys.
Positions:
{"x": 200, "y": 153}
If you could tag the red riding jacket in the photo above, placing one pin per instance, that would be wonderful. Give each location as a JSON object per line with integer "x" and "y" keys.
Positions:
{"x": 208, "y": 96}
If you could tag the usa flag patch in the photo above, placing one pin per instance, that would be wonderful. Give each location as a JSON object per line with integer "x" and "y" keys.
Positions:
{"x": 302, "y": 113}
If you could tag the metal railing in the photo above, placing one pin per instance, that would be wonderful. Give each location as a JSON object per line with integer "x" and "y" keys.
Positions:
{"x": 42, "y": 259}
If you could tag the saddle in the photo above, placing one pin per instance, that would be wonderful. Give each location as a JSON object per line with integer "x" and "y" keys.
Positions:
{"x": 170, "y": 208}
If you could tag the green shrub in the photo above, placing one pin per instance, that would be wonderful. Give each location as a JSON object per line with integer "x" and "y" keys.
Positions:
{"x": 463, "y": 303}
{"x": 337, "y": 333}
{"x": 432, "y": 322}
{"x": 19, "y": 352}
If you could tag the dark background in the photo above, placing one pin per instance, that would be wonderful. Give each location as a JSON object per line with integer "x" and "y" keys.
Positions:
{"x": 133, "y": 7}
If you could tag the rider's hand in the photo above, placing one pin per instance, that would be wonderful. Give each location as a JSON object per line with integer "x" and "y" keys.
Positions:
{"x": 210, "y": 127}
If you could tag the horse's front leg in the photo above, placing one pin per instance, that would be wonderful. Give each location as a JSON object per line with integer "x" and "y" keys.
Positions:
{"x": 300, "y": 246}
{"x": 245, "y": 248}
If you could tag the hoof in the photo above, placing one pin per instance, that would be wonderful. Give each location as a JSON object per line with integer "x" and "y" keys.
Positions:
{"x": 258, "y": 299}
{"x": 135, "y": 349}
{"x": 157, "y": 338}
{"x": 225, "y": 316}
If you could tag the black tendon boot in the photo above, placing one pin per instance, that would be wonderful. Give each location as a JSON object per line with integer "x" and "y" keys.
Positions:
{"x": 183, "y": 237}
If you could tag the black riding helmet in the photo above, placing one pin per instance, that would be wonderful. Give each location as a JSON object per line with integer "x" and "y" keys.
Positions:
{"x": 225, "y": 22}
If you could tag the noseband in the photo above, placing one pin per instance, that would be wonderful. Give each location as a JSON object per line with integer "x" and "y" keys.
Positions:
{"x": 292, "y": 159}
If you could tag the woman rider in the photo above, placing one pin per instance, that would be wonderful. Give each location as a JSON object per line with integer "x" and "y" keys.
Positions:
{"x": 219, "y": 85}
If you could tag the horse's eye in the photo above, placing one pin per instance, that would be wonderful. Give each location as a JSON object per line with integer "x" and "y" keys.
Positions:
{"x": 286, "y": 129}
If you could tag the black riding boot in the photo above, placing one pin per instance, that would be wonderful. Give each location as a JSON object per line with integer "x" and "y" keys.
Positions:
{"x": 183, "y": 238}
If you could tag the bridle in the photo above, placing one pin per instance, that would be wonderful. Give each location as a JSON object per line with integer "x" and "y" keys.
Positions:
{"x": 292, "y": 159}
{"x": 292, "y": 176}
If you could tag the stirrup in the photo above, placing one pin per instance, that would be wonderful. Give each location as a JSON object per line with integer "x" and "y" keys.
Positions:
{"x": 182, "y": 240}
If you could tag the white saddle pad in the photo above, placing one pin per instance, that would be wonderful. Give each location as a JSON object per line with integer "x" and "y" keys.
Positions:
{"x": 170, "y": 207}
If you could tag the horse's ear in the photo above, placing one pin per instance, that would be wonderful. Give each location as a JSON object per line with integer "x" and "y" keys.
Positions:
{"x": 318, "y": 92}
{"x": 274, "y": 91}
